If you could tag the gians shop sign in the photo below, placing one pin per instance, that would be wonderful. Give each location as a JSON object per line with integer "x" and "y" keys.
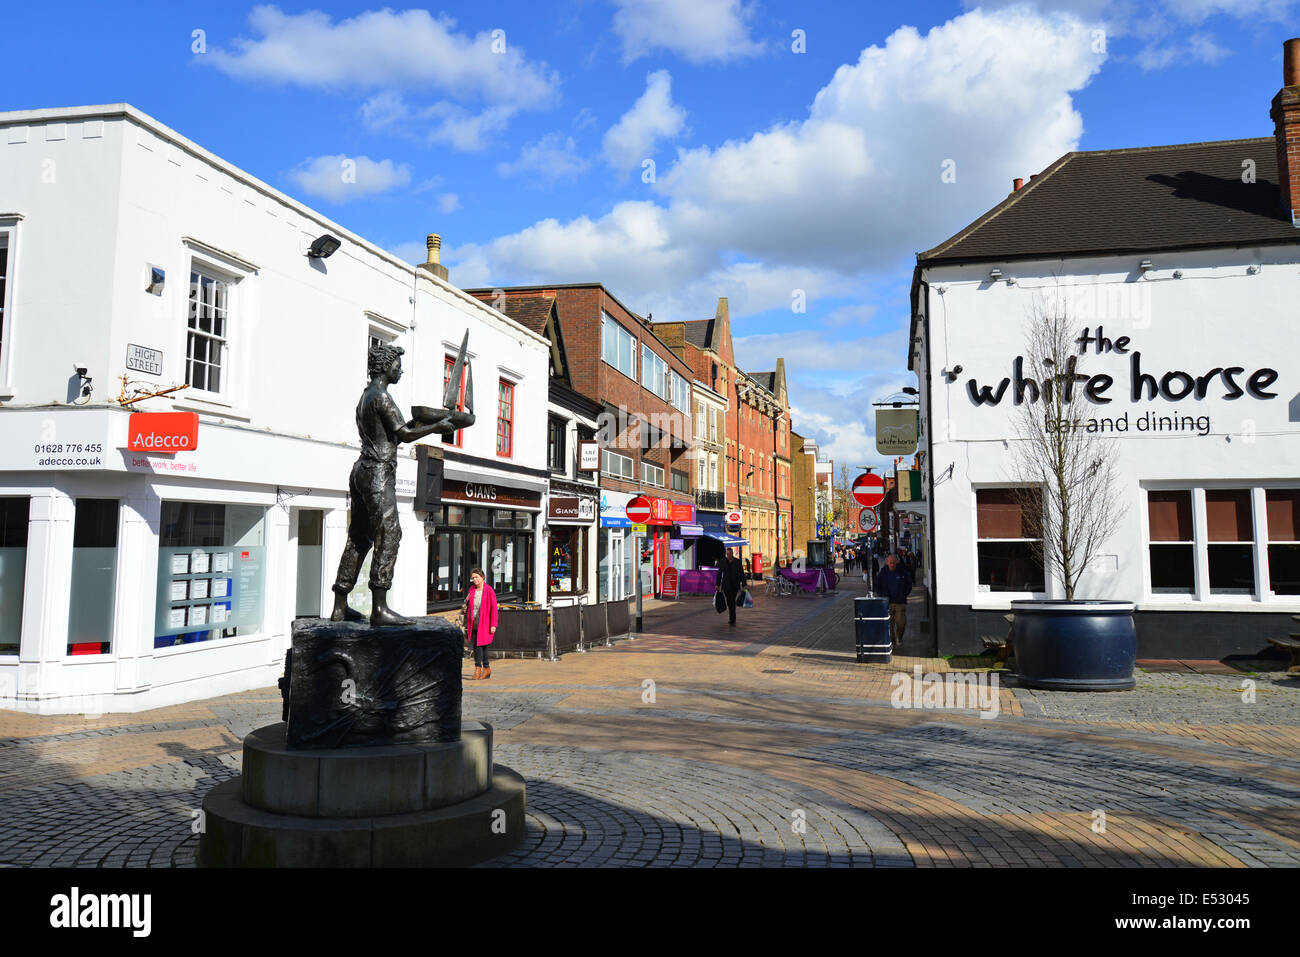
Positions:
{"x": 166, "y": 432}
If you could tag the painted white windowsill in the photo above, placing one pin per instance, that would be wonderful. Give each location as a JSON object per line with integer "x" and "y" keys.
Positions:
{"x": 197, "y": 646}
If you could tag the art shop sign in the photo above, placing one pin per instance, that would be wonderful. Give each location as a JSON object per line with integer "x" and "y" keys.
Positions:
{"x": 1146, "y": 382}
{"x": 493, "y": 496}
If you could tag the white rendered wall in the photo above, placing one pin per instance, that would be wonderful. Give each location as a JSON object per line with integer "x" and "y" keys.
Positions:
{"x": 1219, "y": 313}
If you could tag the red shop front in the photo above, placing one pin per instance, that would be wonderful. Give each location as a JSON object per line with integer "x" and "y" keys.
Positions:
{"x": 654, "y": 549}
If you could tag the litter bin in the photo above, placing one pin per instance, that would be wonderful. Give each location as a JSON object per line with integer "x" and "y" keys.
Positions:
{"x": 871, "y": 623}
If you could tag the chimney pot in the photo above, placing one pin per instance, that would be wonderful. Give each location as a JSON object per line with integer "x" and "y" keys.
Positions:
{"x": 1291, "y": 62}
{"x": 1016, "y": 184}
{"x": 433, "y": 264}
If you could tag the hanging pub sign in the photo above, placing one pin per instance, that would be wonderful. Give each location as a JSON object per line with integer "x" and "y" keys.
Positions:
{"x": 896, "y": 431}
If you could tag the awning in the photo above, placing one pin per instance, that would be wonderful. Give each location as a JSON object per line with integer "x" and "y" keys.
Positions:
{"x": 731, "y": 541}
{"x": 689, "y": 531}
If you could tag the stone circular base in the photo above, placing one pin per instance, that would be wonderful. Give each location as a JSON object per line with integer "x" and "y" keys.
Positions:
{"x": 473, "y": 831}
{"x": 364, "y": 782}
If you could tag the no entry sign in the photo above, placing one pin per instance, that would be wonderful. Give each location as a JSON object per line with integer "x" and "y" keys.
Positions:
{"x": 638, "y": 510}
{"x": 869, "y": 489}
{"x": 868, "y": 519}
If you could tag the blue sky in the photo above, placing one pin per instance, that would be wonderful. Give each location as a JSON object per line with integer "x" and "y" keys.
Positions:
{"x": 520, "y": 132}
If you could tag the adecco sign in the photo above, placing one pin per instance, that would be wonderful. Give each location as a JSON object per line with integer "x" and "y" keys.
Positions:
{"x": 163, "y": 432}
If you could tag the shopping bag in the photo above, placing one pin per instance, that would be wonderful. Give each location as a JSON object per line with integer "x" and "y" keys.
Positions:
{"x": 719, "y": 602}
{"x": 747, "y": 601}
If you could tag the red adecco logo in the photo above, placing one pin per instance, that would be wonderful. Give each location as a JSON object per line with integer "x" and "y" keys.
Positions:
{"x": 163, "y": 432}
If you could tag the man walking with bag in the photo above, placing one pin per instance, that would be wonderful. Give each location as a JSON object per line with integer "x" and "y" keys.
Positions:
{"x": 894, "y": 582}
{"x": 731, "y": 579}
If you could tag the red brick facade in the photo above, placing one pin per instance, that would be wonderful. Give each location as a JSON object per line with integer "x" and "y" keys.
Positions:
{"x": 581, "y": 309}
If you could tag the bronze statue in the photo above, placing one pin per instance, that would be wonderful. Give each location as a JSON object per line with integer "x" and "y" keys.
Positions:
{"x": 372, "y": 486}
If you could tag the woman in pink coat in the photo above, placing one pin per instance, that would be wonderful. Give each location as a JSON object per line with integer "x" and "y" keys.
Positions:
{"x": 480, "y": 621}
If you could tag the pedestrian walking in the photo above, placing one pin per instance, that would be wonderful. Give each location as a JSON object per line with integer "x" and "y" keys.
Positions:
{"x": 894, "y": 582}
{"x": 480, "y": 621}
{"x": 731, "y": 579}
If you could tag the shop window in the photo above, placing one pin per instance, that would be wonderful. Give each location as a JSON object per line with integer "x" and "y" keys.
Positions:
{"x": 13, "y": 570}
{"x": 1230, "y": 548}
{"x": 207, "y": 342}
{"x": 94, "y": 576}
{"x": 1172, "y": 548}
{"x": 555, "y": 435}
{"x": 565, "y": 559}
{"x": 1282, "y": 505}
{"x": 458, "y": 438}
{"x": 211, "y": 572}
{"x": 1005, "y": 543}
{"x": 499, "y": 541}
{"x": 505, "y": 418}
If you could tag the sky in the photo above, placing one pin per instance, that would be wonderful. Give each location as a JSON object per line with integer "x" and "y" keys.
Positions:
{"x": 789, "y": 156}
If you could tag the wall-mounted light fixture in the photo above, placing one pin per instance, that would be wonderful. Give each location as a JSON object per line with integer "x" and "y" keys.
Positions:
{"x": 951, "y": 374}
{"x": 323, "y": 247}
{"x": 995, "y": 274}
{"x": 1145, "y": 266}
{"x": 1252, "y": 270}
{"x": 1178, "y": 274}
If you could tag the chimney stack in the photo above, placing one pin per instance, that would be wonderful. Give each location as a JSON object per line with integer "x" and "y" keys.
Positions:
{"x": 434, "y": 242}
{"x": 1286, "y": 131}
{"x": 1016, "y": 184}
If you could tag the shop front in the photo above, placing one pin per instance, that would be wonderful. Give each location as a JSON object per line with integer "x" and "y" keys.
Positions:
{"x": 616, "y": 555}
{"x": 482, "y": 525}
{"x": 685, "y": 536}
{"x": 571, "y": 523}
{"x": 132, "y": 580}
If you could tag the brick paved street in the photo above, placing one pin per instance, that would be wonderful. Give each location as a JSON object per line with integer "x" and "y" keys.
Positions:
{"x": 762, "y": 745}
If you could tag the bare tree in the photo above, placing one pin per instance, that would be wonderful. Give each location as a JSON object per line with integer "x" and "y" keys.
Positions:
{"x": 1068, "y": 483}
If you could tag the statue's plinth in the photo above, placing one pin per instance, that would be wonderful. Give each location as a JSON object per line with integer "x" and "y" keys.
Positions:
{"x": 373, "y": 767}
{"x": 355, "y": 685}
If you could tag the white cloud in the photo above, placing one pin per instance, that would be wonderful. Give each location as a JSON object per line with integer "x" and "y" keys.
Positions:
{"x": 340, "y": 178}
{"x": 460, "y": 128}
{"x": 549, "y": 159}
{"x": 384, "y": 49}
{"x": 448, "y": 202}
{"x": 701, "y": 31}
{"x": 852, "y": 189}
{"x": 653, "y": 117}
{"x": 1199, "y": 48}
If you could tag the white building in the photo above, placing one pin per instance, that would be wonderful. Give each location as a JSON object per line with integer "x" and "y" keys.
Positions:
{"x": 136, "y": 579}
{"x": 1179, "y": 265}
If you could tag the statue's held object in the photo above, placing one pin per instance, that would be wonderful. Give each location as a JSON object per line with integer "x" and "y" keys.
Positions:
{"x": 372, "y": 486}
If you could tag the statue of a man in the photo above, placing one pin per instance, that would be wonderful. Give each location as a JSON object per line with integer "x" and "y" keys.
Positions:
{"x": 373, "y": 485}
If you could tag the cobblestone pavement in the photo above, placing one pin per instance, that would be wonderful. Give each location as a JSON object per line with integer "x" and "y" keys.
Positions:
{"x": 764, "y": 745}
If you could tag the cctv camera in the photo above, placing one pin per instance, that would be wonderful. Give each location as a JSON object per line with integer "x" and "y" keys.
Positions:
{"x": 956, "y": 370}
{"x": 81, "y": 371}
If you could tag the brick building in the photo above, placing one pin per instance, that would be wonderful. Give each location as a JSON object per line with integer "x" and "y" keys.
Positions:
{"x": 644, "y": 389}
{"x": 757, "y": 440}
